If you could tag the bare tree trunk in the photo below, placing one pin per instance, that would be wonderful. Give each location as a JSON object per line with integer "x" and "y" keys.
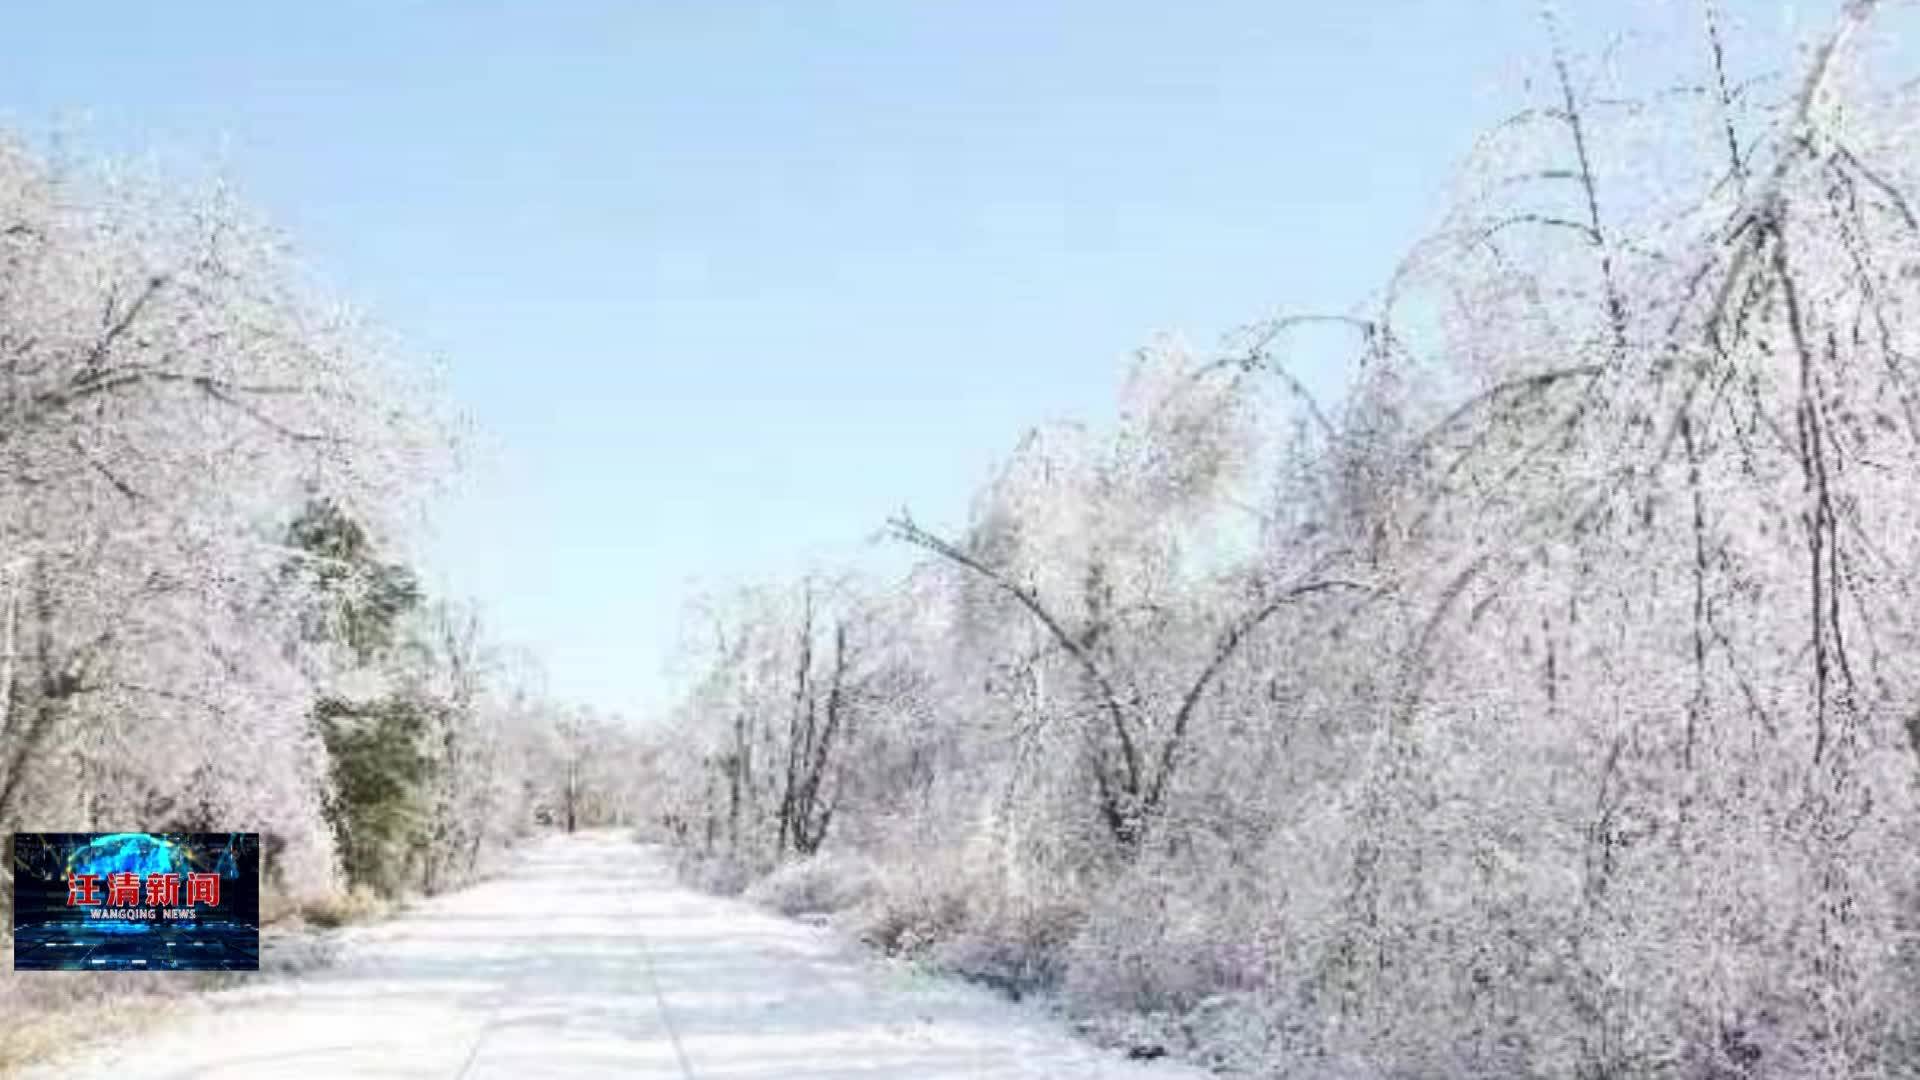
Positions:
{"x": 49, "y": 693}
{"x": 573, "y": 792}
{"x": 9, "y": 637}
{"x": 812, "y": 818}
{"x": 799, "y": 728}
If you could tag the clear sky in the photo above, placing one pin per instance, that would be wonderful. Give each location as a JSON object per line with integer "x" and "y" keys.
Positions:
{"x": 728, "y": 282}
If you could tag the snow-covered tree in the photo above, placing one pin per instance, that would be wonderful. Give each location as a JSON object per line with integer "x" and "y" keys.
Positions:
{"x": 171, "y": 388}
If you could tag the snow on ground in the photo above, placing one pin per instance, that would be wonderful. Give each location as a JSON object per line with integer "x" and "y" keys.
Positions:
{"x": 640, "y": 978}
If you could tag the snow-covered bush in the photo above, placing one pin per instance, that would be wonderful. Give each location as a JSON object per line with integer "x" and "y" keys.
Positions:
{"x": 823, "y": 884}
{"x": 917, "y": 905}
{"x": 719, "y": 874}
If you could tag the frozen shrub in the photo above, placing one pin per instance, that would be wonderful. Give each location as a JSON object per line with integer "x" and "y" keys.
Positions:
{"x": 1017, "y": 945}
{"x": 721, "y": 875}
{"x": 361, "y": 903}
{"x": 916, "y": 906}
{"x": 1151, "y": 948}
{"x": 824, "y": 884}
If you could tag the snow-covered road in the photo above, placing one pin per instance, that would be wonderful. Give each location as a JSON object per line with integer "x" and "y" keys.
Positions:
{"x": 641, "y": 978}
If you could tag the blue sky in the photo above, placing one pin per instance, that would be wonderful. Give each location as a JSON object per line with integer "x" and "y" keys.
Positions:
{"x": 728, "y": 282}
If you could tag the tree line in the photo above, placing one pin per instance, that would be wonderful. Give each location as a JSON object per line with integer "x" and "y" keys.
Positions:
{"x": 206, "y": 467}
{"x": 1543, "y": 702}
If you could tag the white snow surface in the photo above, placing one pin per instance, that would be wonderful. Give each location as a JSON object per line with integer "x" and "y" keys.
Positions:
{"x": 587, "y": 959}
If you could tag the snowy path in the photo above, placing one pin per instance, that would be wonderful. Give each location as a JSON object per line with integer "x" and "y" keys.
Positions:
{"x": 643, "y": 978}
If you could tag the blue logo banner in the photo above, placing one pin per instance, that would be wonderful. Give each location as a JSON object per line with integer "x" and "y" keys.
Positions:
{"x": 132, "y": 901}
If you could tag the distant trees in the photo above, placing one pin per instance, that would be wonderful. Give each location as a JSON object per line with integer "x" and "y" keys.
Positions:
{"x": 795, "y": 678}
{"x": 441, "y": 745}
{"x": 1543, "y": 706}
{"x": 592, "y": 779}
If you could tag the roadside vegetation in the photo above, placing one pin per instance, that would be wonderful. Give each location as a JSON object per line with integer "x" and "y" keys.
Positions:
{"x": 208, "y": 468}
{"x": 1538, "y": 701}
